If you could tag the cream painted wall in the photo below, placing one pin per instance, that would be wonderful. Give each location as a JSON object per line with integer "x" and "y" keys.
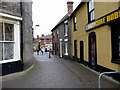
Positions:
{"x": 103, "y": 34}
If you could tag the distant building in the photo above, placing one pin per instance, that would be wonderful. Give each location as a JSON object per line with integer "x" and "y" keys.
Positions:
{"x": 35, "y": 43}
{"x": 45, "y": 42}
{"x": 16, "y": 44}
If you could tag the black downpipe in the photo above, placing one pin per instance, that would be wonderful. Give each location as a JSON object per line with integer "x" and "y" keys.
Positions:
{"x": 21, "y": 43}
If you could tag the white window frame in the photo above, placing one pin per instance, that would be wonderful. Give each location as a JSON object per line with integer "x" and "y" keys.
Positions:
{"x": 16, "y": 47}
{"x": 91, "y": 10}
{"x": 66, "y": 28}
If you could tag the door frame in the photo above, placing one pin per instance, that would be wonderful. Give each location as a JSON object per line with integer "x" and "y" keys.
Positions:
{"x": 81, "y": 51}
{"x": 92, "y": 35}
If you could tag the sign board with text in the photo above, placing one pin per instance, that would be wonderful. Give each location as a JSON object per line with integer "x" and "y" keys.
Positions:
{"x": 109, "y": 18}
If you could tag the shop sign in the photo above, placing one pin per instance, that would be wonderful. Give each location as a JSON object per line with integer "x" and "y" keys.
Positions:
{"x": 107, "y": 19}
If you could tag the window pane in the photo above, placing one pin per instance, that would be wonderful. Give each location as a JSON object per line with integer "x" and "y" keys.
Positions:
{"x": 1, "y": 32}
{"x": 75, "y": 19}
{"x": 1, "y": 51}
{"x": 8, "y": 51}
{"x": 90, "y": 6}
{"x": 66, "y": 29}
{"x": 9, "y": 32}
{"x": 93, "y": 15}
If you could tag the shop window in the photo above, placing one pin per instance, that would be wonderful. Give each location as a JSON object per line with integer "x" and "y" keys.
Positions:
{"x": 91, "y": 12}
{"x": 75, "y": 23}
{"x": 115, "y": 33}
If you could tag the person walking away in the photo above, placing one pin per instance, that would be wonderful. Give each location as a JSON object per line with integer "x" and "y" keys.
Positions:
{"x": 50, "y": 51}
{"x": 42, "y": 51}
{"x": 37, "y": 51}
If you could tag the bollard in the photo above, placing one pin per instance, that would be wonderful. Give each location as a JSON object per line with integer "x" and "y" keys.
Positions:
{"x": 104, "y": 74}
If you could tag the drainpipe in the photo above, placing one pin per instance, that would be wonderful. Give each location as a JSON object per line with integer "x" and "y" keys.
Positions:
{"x": 21, "y": 32}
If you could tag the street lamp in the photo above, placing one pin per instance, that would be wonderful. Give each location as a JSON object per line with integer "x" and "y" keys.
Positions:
{"x": 36, "y": 26}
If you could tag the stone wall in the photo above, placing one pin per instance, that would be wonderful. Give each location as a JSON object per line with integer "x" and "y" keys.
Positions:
{"x": 27, "y": 34}
{"x": 14, "y": 8}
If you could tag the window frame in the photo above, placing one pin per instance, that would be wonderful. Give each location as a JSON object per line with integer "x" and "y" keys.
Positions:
{"x": 66, "y": 28}
{"x": 75, "y": 22}
{"x": 91, "y": 11}
{"x": 66, "y": 48}
{"x": 115, "y": 41}
{"x": 15, "y": 41}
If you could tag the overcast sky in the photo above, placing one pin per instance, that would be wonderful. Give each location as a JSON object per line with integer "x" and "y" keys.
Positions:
{"x": 47, "y": 13}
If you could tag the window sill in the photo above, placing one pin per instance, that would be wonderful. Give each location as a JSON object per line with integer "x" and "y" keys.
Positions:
{"x": 116, "y": 61}
{"x": 66, "y": 54}
{"x": 66, "y": 35}
{"x": 8, "y": 61}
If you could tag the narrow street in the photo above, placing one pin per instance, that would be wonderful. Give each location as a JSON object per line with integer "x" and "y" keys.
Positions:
{"x": 56, "y": 72}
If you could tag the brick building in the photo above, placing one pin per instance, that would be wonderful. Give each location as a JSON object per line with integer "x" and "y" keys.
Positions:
{"x": 45, "y": 42}
{"x": 16, "y": 38}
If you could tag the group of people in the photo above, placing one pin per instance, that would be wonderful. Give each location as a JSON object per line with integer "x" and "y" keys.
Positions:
{"x": 39, "y": 51}
{"x": 42, "y": 51}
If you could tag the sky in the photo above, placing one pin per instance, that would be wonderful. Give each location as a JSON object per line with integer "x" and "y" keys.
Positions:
{"x": 47, "y": 13}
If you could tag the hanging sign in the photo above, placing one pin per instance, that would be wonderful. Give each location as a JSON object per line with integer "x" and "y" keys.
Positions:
{"x": 109, "y": 18}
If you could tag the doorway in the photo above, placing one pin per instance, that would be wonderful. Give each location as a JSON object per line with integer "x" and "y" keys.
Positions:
{"x": 75, "y": 49}
{"x": 81, "y": 51}
{"x": 92, "y": 50}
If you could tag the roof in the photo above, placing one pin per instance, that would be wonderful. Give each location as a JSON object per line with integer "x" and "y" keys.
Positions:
{"x": 62, "y": 20}
{"x": 47, "y": 37}
{"x": 67, "y": 15}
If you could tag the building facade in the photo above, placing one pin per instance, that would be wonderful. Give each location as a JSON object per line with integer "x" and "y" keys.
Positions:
{"x": 16, "y": 46}
{"x": 44, "y": 41}
{"x": 63, "y": 45}
{"x": 95, "y": 35}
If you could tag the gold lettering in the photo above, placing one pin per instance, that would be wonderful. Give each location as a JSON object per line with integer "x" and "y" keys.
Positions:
{"x": 116, "y": 15}
{"x": 104, "y": 20}
{"x": 112, "y": 16}
{"x": 108, "y": 18}
{"x": 119, "y": 13}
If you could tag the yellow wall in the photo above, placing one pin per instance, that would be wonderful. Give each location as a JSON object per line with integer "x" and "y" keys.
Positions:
{"x": 103, "y": 34}
{"x": 103, "y": 8}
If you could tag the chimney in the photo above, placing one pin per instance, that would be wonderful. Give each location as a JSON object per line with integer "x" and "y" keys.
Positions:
{"x": 70, "y": 7}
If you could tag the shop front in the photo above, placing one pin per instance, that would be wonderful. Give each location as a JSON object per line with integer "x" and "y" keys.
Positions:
{"x": 104, "y": 42}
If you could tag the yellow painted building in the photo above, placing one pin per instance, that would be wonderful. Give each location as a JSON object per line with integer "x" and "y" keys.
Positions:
{"x": 96, "y": 35}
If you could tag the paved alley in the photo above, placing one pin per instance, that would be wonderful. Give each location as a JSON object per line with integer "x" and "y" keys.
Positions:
{"x": 56, "y": 72}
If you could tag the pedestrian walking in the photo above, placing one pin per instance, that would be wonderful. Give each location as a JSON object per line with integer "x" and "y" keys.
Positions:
{"x": 37, "y": 51}
{"x": 42, "y": 51}
{"x": 50, "y": 51}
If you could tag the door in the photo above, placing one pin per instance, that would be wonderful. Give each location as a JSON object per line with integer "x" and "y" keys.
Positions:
{"x": 92, "y": 50}
{"x": 60, "y": 48}
{"x": 75, "y": 49}
{"x": 81, "y": 51}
